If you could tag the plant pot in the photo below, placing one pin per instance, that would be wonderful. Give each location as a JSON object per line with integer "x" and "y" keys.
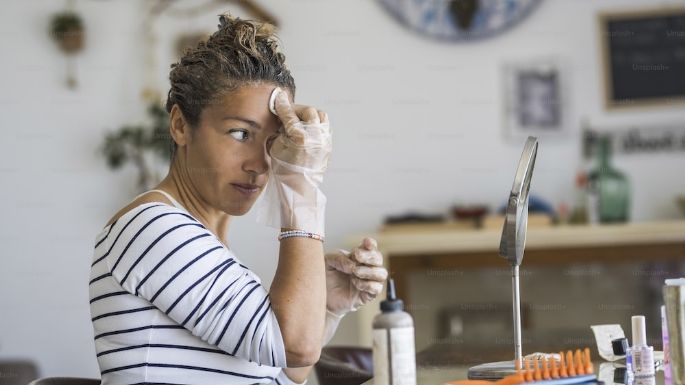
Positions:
{"x": 71, "y": 41}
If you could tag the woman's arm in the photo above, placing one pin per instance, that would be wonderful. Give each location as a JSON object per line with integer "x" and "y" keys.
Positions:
{"x": 298, "y": 375}
{"x": 298, "y": 292}
{"x": 298, "y": 298}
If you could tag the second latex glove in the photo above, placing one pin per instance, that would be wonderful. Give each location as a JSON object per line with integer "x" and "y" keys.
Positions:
{"x": 298, "y": 160}
{"x": 354, "y": 278}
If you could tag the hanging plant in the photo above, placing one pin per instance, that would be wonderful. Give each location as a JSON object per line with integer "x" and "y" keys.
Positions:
{"x": 66, "y": 28}
{"x": 138, "y": 143}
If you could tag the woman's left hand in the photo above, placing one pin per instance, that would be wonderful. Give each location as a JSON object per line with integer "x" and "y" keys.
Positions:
{"x": 354, "y": 278}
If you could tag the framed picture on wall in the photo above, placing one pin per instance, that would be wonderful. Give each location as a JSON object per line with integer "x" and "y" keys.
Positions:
{"x": 643, "y": 57}
{"x": 535, "y": 101}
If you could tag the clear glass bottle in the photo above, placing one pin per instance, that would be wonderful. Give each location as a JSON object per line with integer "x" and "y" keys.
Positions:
{"x": 609, "y": 187}
{"x": 642, "y": 355}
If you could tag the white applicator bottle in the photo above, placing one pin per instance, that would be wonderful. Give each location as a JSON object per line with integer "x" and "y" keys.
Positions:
{"x": 394, "y": 357}
{"x": 642, "y": 354}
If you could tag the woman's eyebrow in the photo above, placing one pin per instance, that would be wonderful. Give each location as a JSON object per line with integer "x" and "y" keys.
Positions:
{"x": 252, "y": 123}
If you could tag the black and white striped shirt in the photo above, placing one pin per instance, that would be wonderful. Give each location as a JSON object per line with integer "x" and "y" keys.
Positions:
{"x": 171, "y": 304}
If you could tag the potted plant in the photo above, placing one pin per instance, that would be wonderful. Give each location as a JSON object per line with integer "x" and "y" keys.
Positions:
{"x": 66, "y": 28}
{"x": 138, "y": 143}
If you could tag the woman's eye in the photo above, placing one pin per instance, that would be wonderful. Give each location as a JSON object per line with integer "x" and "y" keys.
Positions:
{"x": 240, "y": 135}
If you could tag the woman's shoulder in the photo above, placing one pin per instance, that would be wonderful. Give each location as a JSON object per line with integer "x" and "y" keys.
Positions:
{"x": 150, "y": 197}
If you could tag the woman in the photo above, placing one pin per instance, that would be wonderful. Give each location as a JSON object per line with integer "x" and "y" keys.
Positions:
{"x": 170, "y": 302}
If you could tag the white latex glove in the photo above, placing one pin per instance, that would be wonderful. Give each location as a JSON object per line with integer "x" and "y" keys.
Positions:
{"x": 299, "y": 158}
{"x": 306, "y": 138}
{"x": 354, "y": 278}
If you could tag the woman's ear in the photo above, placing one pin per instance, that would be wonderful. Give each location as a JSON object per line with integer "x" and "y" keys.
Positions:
{"x": 178, "y": 126}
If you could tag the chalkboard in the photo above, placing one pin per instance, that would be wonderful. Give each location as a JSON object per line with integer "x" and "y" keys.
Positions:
{"x": 644, "y": 56}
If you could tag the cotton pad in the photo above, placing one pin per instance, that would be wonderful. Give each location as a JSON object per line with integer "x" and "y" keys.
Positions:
{"x": 272, "y": 100}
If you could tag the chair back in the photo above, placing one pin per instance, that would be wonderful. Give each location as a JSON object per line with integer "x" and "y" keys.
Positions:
{"x": 17, "y": 372}
{"x": 344, "y": 365}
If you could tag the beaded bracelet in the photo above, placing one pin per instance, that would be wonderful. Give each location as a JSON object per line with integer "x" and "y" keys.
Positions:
{"x": 299, "y": 233}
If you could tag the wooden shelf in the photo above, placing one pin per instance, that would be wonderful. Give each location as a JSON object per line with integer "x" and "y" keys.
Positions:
{"x": 397, "y": 241}
{"x": 437, "y": 247}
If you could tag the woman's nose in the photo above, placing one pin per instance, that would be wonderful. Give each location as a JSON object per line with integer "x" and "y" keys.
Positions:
{"x": 258, "y": 163}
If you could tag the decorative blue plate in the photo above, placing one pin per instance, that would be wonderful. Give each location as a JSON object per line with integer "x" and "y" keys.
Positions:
{"x": 459, "y": 20}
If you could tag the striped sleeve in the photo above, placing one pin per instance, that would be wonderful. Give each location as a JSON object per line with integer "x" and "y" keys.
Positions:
{"x": 167, "y": 257}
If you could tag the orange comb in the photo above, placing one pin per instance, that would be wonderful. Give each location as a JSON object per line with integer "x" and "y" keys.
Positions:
{"x": 528, "y": 373}
{"x": 571, "y": 364}
{"x": 545, "y": 369}
{"x": 562, "y": 369}
{"x": 580, "y": 368}
{"x": 555, "y": 369}
{"x": 588, "y": 362}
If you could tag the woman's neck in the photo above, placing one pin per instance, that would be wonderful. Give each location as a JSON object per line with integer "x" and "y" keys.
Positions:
{"x": 178, "y": 184}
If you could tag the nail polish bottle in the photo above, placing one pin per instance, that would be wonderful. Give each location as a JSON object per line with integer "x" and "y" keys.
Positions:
{"x": 642, "y": 354}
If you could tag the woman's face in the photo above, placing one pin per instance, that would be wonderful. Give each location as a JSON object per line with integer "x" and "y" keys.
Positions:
{"x": 227, "y": 155}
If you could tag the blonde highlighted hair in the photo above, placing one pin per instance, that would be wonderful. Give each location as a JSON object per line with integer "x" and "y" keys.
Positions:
{"x": 240, "y": 52}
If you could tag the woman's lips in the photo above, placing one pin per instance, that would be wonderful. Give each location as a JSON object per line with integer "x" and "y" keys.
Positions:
{"x": 247, "y": 189}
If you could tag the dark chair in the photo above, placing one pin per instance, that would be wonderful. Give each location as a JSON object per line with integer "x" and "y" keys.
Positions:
{"x": 344, "y": 365}
{"x": 65, "y": 381}
{"x": 17, "y": 372}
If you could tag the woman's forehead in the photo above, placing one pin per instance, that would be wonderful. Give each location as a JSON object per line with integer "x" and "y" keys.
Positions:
{"x": 249, "y": 103}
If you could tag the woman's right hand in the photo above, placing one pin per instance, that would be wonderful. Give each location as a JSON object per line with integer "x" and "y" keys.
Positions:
{"x": 306, "y": 137}
{"x": 298, "y": 160}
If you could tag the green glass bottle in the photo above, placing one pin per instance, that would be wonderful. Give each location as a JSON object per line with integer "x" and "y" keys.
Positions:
{"x": 608, "y": 187}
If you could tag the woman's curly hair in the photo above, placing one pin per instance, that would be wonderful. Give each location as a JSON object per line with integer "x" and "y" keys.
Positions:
{"x": 241, "y": 52}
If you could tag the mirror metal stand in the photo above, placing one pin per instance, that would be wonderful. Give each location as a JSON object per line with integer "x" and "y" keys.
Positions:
{"x": 511, "y": 248}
